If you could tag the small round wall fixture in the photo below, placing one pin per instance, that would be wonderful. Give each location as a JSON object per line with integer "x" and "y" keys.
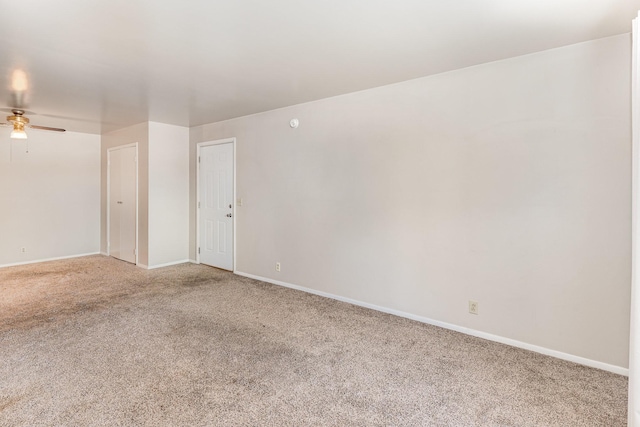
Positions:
{"x": 294, "y": 123}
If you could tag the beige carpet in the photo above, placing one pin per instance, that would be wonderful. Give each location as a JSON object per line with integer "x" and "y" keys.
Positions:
{"x": 98, "y": 342}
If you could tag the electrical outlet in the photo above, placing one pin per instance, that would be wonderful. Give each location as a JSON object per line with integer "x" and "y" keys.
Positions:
{"x": 473, "y": 307}
{"x": 23, "y": 250}
{"x": 277, "y": 266}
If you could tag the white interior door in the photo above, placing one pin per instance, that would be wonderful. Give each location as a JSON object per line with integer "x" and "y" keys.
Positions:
{"x": 123, "y": 177}
{"x": 215, "y": 201}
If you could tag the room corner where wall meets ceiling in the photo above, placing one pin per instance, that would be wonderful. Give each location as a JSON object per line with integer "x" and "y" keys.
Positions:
{"x": 506, "y": 183}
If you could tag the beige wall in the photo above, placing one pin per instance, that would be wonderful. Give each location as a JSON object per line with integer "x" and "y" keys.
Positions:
{"x": 507, "y": 183}
{"x": 137, "y": 133}
{"x": 49, "y": 198}
{"x": 168, "y": 194}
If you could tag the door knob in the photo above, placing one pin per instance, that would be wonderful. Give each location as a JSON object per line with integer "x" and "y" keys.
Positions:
{"x": 229, "y": 215}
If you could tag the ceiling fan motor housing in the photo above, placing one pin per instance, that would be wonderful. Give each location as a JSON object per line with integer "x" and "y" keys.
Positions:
{"x": 18, "y": 119}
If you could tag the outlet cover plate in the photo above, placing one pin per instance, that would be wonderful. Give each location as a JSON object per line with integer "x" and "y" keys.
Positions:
{"x": 473, "y": 307}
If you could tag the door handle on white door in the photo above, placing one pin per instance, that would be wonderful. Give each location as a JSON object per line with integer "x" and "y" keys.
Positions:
{"x": 229, "y": 215}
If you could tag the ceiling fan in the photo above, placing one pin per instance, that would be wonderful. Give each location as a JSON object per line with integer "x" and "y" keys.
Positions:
{"x": 18, "y": 121}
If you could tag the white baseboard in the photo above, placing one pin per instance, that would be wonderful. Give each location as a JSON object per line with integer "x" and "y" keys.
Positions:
{"x": 167, "y": 264}
{"x": 36, "y": 261}
{"x": 487, "y": 336}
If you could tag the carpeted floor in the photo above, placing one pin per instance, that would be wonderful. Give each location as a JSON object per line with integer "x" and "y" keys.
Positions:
{"x": 98, "y": 342}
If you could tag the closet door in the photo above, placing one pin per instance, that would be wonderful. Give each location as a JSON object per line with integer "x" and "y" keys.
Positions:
{"x": 123, "y": 203}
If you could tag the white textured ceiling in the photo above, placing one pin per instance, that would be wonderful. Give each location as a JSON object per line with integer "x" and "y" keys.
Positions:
{"x": 107, "y": 64}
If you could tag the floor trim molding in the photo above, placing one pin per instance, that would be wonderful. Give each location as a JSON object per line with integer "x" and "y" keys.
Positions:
{"x": 485, "y": 335}
{"x": 36, "y": 261}
{"x": 166, "y": 264}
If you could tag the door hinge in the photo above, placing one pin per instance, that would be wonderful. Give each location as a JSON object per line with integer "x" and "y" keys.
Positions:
{"x": 198, "y": 159}
{"x": 198, "y": 205}
{"x": 198, "y": 250}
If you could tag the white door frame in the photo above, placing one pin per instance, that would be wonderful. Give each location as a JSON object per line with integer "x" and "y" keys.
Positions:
{"x": 109, "y": 150}
{"x": 233, "y": 212}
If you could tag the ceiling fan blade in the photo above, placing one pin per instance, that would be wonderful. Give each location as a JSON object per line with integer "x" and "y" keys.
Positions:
{"x": 75, "y": 119}
{"x": 47, "y": 128}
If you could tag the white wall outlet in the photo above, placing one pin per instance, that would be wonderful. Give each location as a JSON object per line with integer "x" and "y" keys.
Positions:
{"x": 277, "y": 266}
{"x": 239, "y": 201}
{"x": 23, "y": 250}
{"x": 473, "y": 307}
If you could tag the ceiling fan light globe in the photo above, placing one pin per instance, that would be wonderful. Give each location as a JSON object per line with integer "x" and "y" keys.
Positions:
{"x": 18, "y": 134}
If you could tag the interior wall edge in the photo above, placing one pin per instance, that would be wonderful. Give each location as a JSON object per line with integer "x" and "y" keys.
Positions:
{"x": 37, "y": 261}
